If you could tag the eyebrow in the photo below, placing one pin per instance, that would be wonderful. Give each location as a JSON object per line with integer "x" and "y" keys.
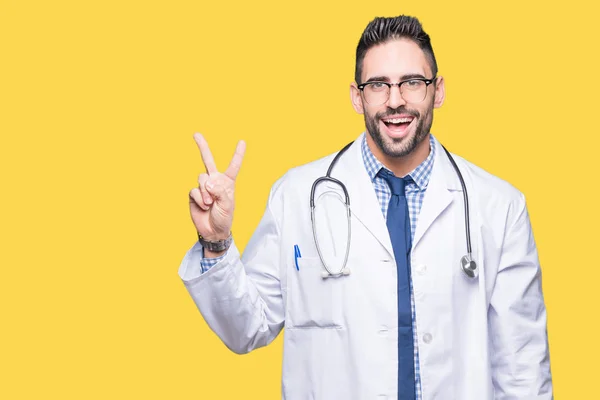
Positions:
{"x": 378, "y": 79}
{"x": 402, "y": 78}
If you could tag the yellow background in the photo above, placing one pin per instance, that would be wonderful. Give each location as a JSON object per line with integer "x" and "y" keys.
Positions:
{"x": 98, "y": 104}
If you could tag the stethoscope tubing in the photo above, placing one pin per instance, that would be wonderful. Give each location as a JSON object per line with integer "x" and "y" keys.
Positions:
{"x": 468, "y": 265}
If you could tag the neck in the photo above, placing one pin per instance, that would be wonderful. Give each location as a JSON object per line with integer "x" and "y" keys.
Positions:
{"x": 401, "y": 166}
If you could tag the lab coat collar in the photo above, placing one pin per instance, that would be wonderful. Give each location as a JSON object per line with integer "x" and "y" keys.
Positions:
{"x": 365, "y": 206}
{"x": 438, "y": 196}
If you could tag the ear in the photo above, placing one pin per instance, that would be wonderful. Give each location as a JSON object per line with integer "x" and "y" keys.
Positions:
{"x": 356, "y": 98}
{"x": 440, "y": 92}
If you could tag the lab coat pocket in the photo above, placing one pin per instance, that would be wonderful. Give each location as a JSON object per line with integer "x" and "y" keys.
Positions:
{"x": 313, "y": 302}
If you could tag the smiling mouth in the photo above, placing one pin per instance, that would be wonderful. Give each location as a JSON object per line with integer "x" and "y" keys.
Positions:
{"x": 397, "y": 126}
{"x": 397, "y": 123}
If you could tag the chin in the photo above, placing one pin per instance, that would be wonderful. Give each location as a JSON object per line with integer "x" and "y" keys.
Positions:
{"x": 394, "y": 146}
{"x": 398, "y": 140}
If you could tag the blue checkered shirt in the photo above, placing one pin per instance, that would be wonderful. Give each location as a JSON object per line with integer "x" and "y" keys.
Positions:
{"x": 415, "y": 192}
{"x": 207, "y": 263}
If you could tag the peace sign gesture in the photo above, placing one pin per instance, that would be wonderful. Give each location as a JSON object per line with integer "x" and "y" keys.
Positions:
{"x": 212, "y": 203}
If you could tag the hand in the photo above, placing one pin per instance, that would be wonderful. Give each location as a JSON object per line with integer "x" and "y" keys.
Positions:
{"x": 212, "y": 203}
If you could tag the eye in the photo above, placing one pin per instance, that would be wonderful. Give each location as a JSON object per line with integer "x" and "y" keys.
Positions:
{"x": 413, "y": 83}
{"x": 377, "y": 86}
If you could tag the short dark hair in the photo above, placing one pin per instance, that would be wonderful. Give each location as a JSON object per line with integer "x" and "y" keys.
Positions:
{"x": 382, "y": 30}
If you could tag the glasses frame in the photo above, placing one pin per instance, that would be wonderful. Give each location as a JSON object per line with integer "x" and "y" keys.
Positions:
{"x": 427, "y": 82}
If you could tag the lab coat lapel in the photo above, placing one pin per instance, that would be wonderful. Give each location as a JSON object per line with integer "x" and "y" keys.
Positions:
{"x": 363, "y": 201}
{"x": 438, "y": 195}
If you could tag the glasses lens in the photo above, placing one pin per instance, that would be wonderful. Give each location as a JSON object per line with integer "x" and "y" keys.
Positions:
{"x": 414, "y": 91}
{"x": 376, "y": 93}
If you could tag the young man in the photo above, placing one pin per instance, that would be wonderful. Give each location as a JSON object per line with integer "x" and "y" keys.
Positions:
{"x": 434, "y": 298}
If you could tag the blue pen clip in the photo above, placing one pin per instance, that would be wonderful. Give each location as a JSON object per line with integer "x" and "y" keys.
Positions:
{"x": 297, "y": 255}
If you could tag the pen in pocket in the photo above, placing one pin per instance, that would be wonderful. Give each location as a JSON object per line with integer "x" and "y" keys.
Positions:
{"x": 297, "y": 255}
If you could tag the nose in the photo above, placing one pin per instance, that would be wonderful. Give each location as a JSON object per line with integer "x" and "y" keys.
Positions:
{"x": 395, "y": 100}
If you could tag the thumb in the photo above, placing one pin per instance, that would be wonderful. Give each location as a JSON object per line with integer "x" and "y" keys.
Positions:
{"x": 216, "y": 188}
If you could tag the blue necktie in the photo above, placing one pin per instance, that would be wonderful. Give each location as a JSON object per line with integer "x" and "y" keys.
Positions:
{"x": 398, "y": 224}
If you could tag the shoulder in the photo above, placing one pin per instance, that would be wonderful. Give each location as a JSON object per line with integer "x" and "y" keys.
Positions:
{"x": 298, "y": 181}
{"x": 496, "y": 195}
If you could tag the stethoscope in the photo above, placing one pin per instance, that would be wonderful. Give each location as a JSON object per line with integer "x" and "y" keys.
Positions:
{"x": 467, "y": 264}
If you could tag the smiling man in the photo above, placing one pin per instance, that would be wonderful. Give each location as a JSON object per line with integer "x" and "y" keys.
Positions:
{"x": 410, "y": 274}
{"x": 398, "y": 121}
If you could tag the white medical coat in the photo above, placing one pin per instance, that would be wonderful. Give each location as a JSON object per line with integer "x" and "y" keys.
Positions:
{"x": 478, "y": 339}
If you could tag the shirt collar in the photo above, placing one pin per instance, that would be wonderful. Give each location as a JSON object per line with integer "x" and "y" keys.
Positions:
{"x": 420, "y": 175}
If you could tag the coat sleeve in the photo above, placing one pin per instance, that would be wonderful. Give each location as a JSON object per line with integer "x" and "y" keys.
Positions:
{"x": 241, "y": 299}
{"x": 517, "y": 315}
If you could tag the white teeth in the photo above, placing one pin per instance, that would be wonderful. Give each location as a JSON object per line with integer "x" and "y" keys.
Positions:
{"x": 398, "y": 120}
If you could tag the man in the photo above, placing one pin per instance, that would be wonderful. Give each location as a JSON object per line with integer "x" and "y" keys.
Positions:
{"x": 400, "y": 313}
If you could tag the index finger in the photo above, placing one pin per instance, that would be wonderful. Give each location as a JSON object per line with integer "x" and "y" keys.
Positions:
{"x": 236, "y": 161}
{"x": 207, "y": 157}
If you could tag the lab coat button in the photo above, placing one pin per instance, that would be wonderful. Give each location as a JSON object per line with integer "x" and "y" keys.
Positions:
{"x": 427, "y": 338}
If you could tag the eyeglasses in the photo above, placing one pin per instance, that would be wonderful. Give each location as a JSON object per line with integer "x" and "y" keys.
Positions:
{"x": 412, "y": 90}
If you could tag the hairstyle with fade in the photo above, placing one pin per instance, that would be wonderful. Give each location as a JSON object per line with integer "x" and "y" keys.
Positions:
{"x": 382, "y": 30}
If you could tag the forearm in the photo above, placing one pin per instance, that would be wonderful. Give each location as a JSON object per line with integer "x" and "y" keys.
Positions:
{"x": 231, "y": 304}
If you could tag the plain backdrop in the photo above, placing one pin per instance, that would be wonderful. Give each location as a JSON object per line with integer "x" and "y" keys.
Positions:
{"x": 98, "y": 104}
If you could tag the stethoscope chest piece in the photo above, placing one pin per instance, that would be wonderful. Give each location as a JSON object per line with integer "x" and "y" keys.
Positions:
{"x": 469, "y": 266}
